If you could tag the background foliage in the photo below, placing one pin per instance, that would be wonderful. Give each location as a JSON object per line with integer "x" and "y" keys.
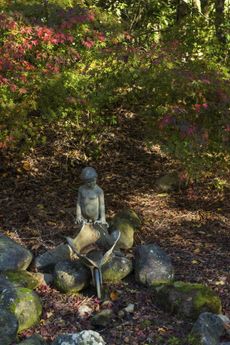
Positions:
{"x": 76, "y": 64}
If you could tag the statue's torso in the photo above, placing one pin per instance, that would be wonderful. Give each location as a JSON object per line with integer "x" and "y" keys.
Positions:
{"x": 90, "y": 204}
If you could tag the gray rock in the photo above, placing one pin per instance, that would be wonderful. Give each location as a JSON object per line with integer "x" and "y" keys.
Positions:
{"x": 126, "y": 222}
{"x": 90, "y": 338}
{"x": 130, "y": 308}
{"x": 187, "y": 300}
{"x": 117, "y": 269}
{"x": 152, "y": 265}
{"x": 207, "y": 330}
{"x": 228, "y": 343}
{"x": 84, "y": 311}
{"x": 24, "y": 304}
{"x": 71, "y": 276}
{"x": 226, "y": 322}
{"x": 5, "y": 283}
{"x": 103, "y": 318}
{"x": 82, "y": 338}
{"x": 171, "y": 182}
{"x": 53, "y": 256}
{"x": 13, "y": 257}
{"x": 33, "y": 340}
{"x": 45, "y": 278}
{"x": 8, "y": 327}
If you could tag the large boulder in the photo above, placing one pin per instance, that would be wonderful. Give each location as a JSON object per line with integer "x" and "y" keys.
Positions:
{"x": 117, "y": 269}
{"x": 207, "y": 330}
{"x": 187, "y": 300}
{"x": 13, "y": 257}
{"x": 152, "y": 265}
{"x": 71, "y": 276}
{"x": 50, "y": 258}
{"x": 82, "y": 338}
{"x": 8, "y": 327}
{"x": 126, "y": 222}
{"x": 24, "y": 304}
{"x": 33, "y": 340}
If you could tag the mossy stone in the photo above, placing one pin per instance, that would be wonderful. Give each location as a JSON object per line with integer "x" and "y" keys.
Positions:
{"x": 117, "y": 269}
{"x": 126, "y": 239}
{"x": 71, "y": 276}
{"x": 24, "y": 304}
{"x": 24, "y": 278}
{"x": 130, "y": 216}
{"x": 127, "y": 222}
{"x": 188, "y": 300}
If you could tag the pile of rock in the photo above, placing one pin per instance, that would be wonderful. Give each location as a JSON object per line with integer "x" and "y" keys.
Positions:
{"x": 70, "y": 275}
{"x": 20, "y": 306}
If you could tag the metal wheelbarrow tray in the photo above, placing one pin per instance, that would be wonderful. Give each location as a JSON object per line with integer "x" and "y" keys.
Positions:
{"x": 84, "y": 245}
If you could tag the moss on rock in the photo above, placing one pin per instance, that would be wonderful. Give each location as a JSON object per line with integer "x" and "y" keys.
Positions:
{"x": 130, "y": 216}
{"x": 187, "y": 299}
{"x": 24, "y": 304}
{"x": 71, "y": 276}
{"x": 117, "y": 269}
{"x": 126, "y": 222}
{"x": 25, "y": 279}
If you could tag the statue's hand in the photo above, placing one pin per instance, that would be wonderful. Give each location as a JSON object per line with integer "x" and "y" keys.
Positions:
{"x": 79, "y": 220}
{"x": 102, "y": 222}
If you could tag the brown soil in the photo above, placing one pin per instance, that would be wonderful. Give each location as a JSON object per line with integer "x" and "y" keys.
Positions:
{"x": 37, "y": 208}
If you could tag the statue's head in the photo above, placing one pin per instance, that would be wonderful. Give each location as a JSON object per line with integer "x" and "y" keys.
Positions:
{"x": 89, "y": 176}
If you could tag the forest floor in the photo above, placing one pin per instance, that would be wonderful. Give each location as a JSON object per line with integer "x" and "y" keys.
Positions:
{"x": 37, "y": 208}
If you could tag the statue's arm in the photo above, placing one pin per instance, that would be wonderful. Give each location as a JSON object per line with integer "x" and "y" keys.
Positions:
{"x": 102, "y": 207}
{"x": 78, "y": 208}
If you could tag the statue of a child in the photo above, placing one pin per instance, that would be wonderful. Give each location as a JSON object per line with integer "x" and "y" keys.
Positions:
{"x": 90, "y": 200}
{"x": 91, "y": 206}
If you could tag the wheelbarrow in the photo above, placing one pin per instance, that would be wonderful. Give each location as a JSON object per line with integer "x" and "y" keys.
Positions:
{"x": 90, "y": 254}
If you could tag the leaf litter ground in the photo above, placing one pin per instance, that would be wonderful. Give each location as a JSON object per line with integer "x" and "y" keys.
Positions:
{"x": 37, "y": 209}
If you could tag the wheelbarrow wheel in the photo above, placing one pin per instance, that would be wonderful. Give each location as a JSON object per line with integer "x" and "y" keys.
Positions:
{"x": 97, "y": 279}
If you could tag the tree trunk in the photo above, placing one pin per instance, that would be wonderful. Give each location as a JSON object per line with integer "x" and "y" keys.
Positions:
{"x": 46, "y": 9}
{"x": 182, "y": 10}
{"x": 219, "y": 20}
{"x": 205, "y": 7}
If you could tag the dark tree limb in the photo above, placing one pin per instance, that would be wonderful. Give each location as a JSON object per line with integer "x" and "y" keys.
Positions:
{"x": 219, "y": 20}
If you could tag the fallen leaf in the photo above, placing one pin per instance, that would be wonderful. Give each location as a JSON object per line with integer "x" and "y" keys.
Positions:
{"x": 26, "y": 165}
{"x": 195, "y": 262}
{"x": 114, "y": 296}
{"x": 196, "y": 251}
